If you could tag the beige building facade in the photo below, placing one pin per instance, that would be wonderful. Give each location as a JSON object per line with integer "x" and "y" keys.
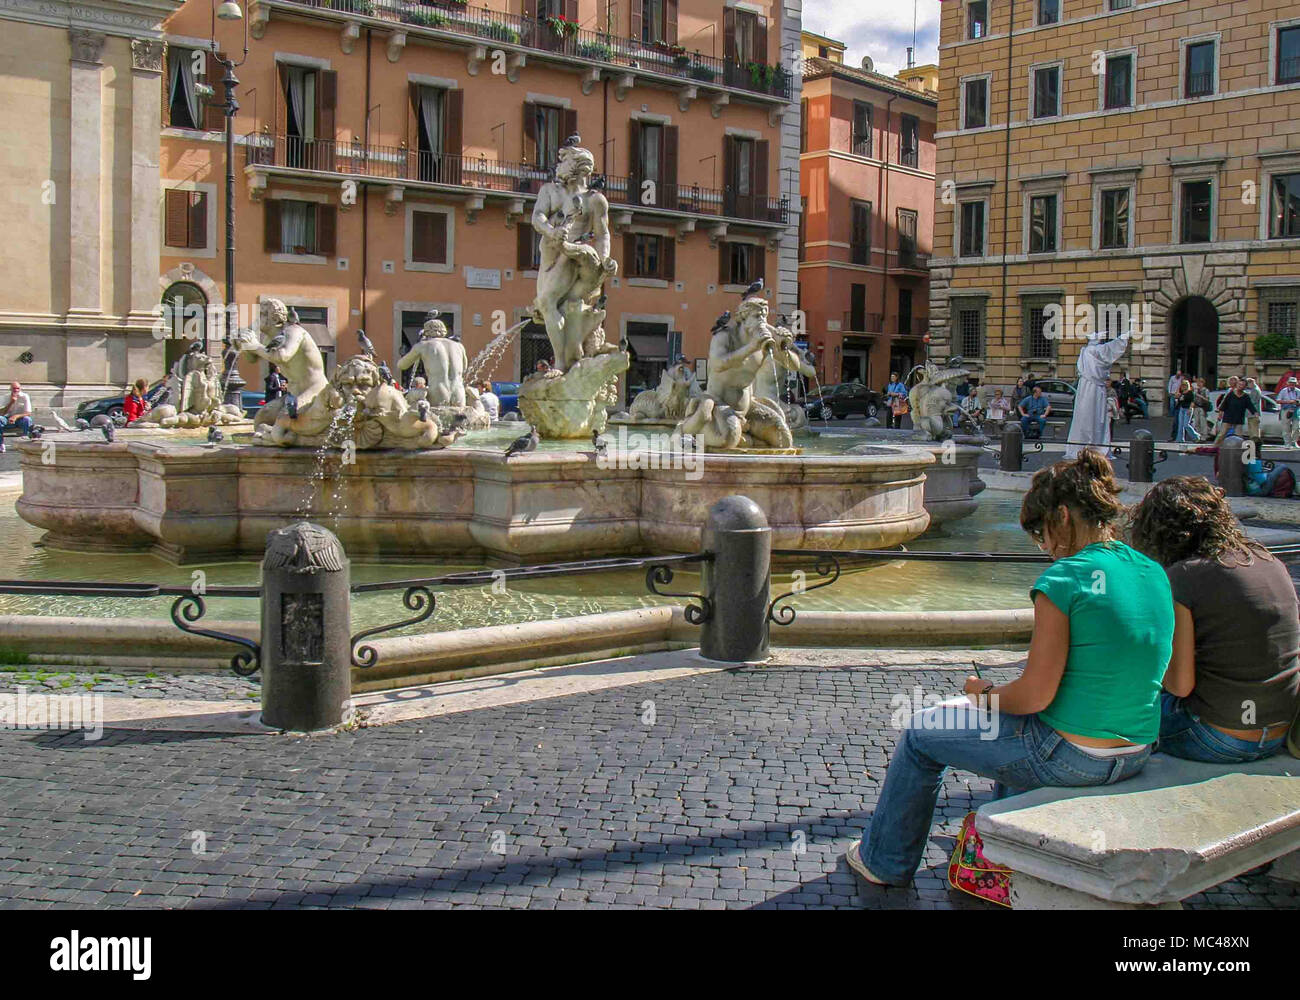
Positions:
{"x": 1098, "y": 153}
{"x": 79, "y": 262}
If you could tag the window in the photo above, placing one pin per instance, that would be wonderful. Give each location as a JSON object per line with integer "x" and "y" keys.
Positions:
{"x": 977, "y": 19}
{"x": 1197, "y": 204}
{"x": 1114, "y": 311}
{"x": 1288, "y": 55}
{"x": 654, "y": 25}
{"x": 528, "y": 248}
{"x": 1037, "y": 343}
{"x": 858, "y": 307}
{"x": 1119, "y": 81}
{"x": 972, "y": 229}
{"x": 1280, "y": 311}
{"x": 861, "y": 128}
{"x": 746, "y": 36}
{"x": 975, "y": 112}
{"x": 1042, "y": 223}
{"x": 438, "y": 126}
{"x": 300, "y": 227}
{"x": 745, "y": 169}
{"x": 906, "y": 238}
{"x": 429, "y": 237}
{"x": 908, "y": 140}
{"x": 186, "y": 223}
{"x": 185, "y": 109}
{"x": 1120, "y": 4}
{"x": 968, "y": 322}
{"x": 548, "y": 122}
{"x": 742, "y": 263}
{"x": 1198, "y": 75}
{"x": 1047, "y": 92}
{"x": 1049, "y": 11}
{"x": 860, "y": 241}
{"x": 649, "y": 256}
{"x": 1284, "y": 206}
{"x": 1114, "y": 218}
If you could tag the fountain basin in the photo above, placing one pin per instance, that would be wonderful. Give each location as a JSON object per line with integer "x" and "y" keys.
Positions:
{"x": 188, "y": 503}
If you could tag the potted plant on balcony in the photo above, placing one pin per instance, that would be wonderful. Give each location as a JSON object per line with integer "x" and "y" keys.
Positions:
{"x": 1274, "y": 347}
{"x": 699, "y": 71}
{"x": 501, "y": 32}
{"x": 601, "y": 51}
{"x": 562, "y": 27}
{"x": 761, "y": 74}
{"x": 425, "y": 18}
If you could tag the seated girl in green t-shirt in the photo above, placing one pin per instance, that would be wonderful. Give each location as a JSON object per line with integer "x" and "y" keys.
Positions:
{"x": 1086, "y": 709}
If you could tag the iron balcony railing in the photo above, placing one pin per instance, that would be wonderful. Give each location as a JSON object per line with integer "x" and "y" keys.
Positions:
{"x": 403, "y": 163}
{"x": 909, "y": 258}
{"x": 552, "y": 34}
{"x": 863, "y": 322}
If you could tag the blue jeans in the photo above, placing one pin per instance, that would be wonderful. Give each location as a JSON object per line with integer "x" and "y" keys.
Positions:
{"x": 1038, "y": 423}
{"x": 1021, "y": 753}
{"x": 1183, "y": 734}
{"x": 23, "y": 423}
{"x": 1185, "y": 427}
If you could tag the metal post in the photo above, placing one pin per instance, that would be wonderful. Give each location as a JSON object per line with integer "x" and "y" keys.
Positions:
{"x": 1141, "y": 457}
{"x": 306, "y": 628}
{"x": 1231, "y": 470}
{"x": 234, "y": 382}
{"x": 1013, "y": 441}
{"x": 737, "y": 582}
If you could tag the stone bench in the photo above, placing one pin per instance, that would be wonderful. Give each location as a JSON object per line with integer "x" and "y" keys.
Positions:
{"x": 1176, "y": 829}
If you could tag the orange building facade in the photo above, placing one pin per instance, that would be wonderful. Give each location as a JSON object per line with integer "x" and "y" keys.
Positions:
{"x": 389, "y": 153}
{"x": 867, "y": 183}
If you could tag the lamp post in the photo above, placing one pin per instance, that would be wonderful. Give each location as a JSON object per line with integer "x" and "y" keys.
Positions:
{"x": 233, "y": 382}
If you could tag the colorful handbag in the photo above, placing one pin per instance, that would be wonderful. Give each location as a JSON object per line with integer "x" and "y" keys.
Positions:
{"x": 971, "y": 872}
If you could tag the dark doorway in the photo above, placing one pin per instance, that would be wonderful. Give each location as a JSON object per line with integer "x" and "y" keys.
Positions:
{"x": 1194, "y": 341}
{"x": 185, "y": 320}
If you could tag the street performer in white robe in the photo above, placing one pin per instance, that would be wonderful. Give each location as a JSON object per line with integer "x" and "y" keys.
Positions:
{"x": 1091, "y": 422}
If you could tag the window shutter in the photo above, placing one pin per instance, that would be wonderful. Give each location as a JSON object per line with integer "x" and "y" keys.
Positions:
{"x": 668, "y": 258}
{"x": 760, "y": 40}
{"x": 214, "y": 114}
{"x": 169, "y": 54}
{"x": 177, "y": 221}
{"x": 524, "y": 245}
{"x": 571, "y": 10}
{"x": 438, "y": 223}
{"x": 634, "y": 162}
{"x": 453, "y": 135}
{"x": 198, "y": 213}
{"x": 729, "y": 179}
{"x": 637, "y": 19}
{"x": 724, "y": 262}
{"x": 530, "y": 133}
{"x": 629, "y": 255}
{"x": 729, "y": 33}
{"x": 327, "y": 91}
{"x": 759, "y": 256}
{"x": 421, "y": 244}
{"x": 670, "y": 21}
{"x": 568, "y": 123}
{"x": 326, "y": 228}
{"x": 759, "y": 208}
{"x": 272, "y": 242}
{"x": 530, "y": 9}
{"x": 668, "y": 167}
{"x": 280, "y": 116}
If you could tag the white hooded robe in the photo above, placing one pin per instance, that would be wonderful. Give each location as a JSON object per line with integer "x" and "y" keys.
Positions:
{"x": 1091, "y": 422}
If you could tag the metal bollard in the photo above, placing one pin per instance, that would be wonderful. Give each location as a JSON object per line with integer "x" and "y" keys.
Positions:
{"x": 306, "y": 630}
{"x": 1013, "y": 443}
{"x": 1231, "y": 468}
{"x": 1141, "y": 457}
{"x": 738, "y": 581}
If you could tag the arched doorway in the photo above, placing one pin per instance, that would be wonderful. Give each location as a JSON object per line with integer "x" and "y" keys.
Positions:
{"x": 185, "y": 320}
{"x": 1194, "y": 338}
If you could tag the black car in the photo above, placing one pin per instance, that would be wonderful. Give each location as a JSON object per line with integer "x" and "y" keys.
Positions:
{"x": 111, "y": 406}
{"x": 843, "y": 401}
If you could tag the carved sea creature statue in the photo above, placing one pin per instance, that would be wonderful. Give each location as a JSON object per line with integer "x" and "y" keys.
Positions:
{"x": 728, "y": 414}
{"x": 931, "y": 399}
{"x": 768, "y": 382}
{"x": 195, "y": 384}
{"x": 668, "y": 401}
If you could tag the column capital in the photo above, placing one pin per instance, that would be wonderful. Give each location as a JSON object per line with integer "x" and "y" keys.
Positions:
{"x": 147, "y": 54}
{"x": 87, "y": 46}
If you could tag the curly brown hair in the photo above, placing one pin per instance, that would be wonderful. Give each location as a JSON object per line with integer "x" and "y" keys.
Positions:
{"x": 1186, "y": 516}
{"x": 1085, "y": 486}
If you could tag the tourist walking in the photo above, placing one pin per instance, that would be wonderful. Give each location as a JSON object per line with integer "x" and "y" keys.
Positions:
{"x": 1200, "y": 412}
{"x": 1086, "y": 709}
{"x": 1256, "y": 395}
{"x": 1186, "y": 404}
{"x": 1233, "y": 684}
{"x": 1289, "y": 400}
{"x": 1172, "y": 390}
{"x": 895, "y": 401}
{"x": 275, "y": 384}
{"x": 1233, "y": 407}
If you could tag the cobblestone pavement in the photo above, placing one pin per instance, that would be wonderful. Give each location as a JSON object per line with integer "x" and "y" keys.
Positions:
{"x": 694, "y": 792}
{"x": 195, "y": 685}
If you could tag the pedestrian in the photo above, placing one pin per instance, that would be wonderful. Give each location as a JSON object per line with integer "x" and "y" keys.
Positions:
{"x": 490, "y": 400}
{"x": 1090, "y": 423}
{"x": 275, "y": 383}
{"x": 1233, "y": 407}
{"x": 1202, "y": 408}
{"x": 895, "y": 402}
{"x": 17, "y": 411}
{"x": 134, "y": 405}
{"x": 1231, "y": 690}
{"x": 1086, "y": 708}
{"x": 1289, "y": 399}
{"x": 1186, "y": 404}
{"x": 1034, "y": 411}
{"x": 1256, "y": 395}
{"x": 1112, "y": 411}
{"x": 1172, "y": 389}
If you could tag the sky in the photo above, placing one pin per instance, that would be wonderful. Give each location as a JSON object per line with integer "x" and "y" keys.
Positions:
{"x": 881, "y": 29}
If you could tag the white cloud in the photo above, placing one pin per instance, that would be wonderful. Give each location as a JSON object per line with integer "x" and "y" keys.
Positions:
{"x": 881, "y": 29}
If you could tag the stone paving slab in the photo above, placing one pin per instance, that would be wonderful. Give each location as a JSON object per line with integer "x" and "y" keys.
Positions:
{"x": 696, "y": 792}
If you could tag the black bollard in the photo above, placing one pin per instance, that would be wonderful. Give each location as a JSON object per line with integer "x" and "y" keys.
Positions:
{"x": 1013, "y": 443}
{"x": 306, "y": 630}
{"x": 1141, "y": 457}
{"x": 1231, "y": 468}
{"x": 738, "y": 581}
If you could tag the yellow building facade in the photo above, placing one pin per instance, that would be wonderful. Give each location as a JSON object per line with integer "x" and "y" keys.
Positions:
{"x": 1102, "y": 153}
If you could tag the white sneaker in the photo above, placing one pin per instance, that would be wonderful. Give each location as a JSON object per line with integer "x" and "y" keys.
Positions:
{"x": 854, "y": 857}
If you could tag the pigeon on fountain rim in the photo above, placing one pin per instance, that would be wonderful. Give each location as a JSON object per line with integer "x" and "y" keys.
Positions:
{"x": 520, "y": 445}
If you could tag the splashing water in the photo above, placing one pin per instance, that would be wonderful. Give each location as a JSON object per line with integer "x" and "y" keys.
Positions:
{"x": 336, "y": 437}
{"x": 486, "y": 361}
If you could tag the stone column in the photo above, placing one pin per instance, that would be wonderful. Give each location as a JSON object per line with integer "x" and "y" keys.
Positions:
{"x": 85, "y": 172}
{"x": 146, "y": 116}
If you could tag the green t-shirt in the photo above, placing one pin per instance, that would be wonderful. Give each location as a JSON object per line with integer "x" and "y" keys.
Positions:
{"x": 1121, "y": 636}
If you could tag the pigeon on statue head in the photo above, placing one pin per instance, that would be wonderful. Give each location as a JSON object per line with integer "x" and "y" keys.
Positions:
{"x": 367, "y": 348}
{"x": 754, "y": 288}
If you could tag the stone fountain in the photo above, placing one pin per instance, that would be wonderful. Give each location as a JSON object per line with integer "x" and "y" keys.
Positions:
{"x": 194, "y": 383}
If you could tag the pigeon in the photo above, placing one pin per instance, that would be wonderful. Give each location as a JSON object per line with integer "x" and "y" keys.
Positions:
{"x": 215, "y": 436}
{"x": 83, "y": 424}
{"x": 290, "y": 405}
{"x": 754, "y": 289}
{"x": 367, "y": 348}
{"x": 422, "y": 408}
{"x": 721, "y": 321}
{"x": 36, "y": 432}
{"x": 109, "y": 431}
{"x": 100, "y": 420}
{"x": 63, "y": 424}
{"x": 385, "y": 372}
{"x": 599, "y": 444}
{"x": 571, "y": 141}
{"x": 597, "y": 183}
{"x": 526, "y": 443}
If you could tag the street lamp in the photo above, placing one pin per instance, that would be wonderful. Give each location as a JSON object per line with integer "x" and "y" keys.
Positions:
{"x": 233, "y": 382}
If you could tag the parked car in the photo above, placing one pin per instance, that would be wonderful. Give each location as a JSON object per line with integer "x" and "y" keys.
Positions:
{"x": 842, "y": 401}
{"x": 1059, "y": 393}
{"x": 252, "y": 402}
{"x": 111, "y": 406}
{"x": 1270, "y": 417}
{"x": 508, "y": 393}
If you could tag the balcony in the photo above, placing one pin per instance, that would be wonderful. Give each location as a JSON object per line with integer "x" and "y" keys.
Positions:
{"x": 554, "y": 36}
{"x": 479, "y": 174}
{"x": 862, "y": 322}
{"x": 910, "y": 260}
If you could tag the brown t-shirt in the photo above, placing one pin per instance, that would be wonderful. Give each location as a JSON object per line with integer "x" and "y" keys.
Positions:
{"x": 1246, "y": 623}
